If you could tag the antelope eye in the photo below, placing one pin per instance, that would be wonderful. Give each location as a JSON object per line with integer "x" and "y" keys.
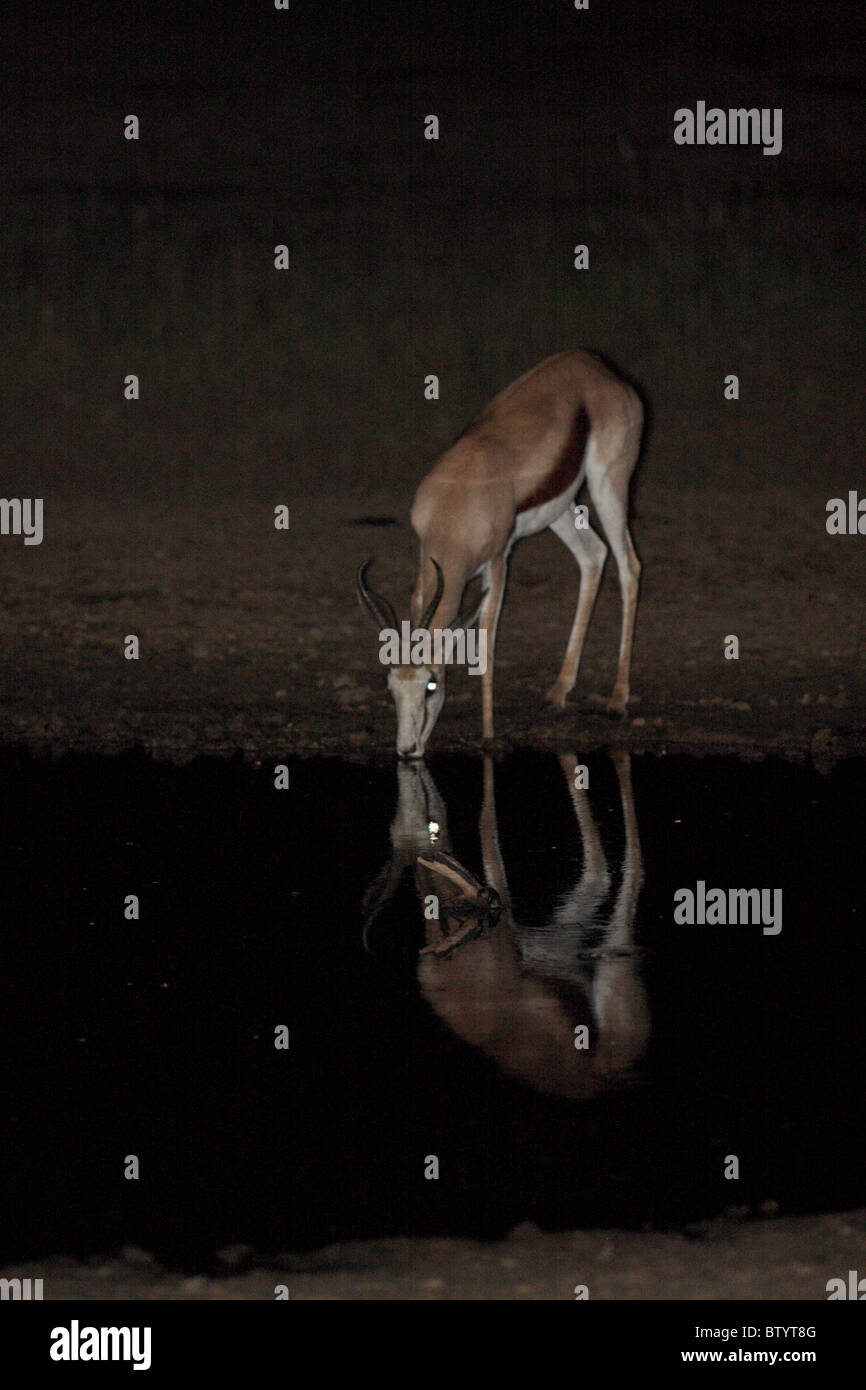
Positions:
{"x": 432, "y": 685}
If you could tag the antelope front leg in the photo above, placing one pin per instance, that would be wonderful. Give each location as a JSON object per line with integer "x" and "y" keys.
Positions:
{"x": 488, "y": 621}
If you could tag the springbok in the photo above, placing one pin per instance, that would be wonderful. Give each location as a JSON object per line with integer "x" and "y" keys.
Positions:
{"x": 514, "y": 471}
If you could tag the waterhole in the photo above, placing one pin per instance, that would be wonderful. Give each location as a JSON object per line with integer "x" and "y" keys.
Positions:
{"x": 555, "y": 1046}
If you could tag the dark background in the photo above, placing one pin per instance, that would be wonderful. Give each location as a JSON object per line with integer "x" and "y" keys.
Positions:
{"x": 411, "y": 256}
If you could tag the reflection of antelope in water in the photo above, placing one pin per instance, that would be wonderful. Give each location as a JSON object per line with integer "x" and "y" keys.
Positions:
{"x": 519, "y": 993}
{"x": 420, "y": 824}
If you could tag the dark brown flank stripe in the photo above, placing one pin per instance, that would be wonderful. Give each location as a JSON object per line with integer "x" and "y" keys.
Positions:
{"x": 566, "y": 468}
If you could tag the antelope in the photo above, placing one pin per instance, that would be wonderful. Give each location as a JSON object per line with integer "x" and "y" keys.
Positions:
{"x": 514, "y": 471}
{"x": 516, "y": 991}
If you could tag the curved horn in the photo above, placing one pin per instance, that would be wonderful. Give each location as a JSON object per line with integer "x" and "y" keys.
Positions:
{"x": 434, "y": 602}
{"x": 379, "y": 608}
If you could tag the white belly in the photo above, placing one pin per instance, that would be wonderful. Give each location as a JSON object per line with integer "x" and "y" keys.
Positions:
{"x": 531, "y": 522}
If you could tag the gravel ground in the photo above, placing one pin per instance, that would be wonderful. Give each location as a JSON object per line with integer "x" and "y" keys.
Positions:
{"x": 781, "y": 1258}
{"x": 252, "y": 638}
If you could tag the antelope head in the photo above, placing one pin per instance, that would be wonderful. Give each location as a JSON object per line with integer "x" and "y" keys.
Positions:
{"x": 418, "y": 689}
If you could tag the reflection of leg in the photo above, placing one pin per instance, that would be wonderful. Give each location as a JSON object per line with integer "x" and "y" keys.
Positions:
{"x": 622, "y": 921}
{"x": 489, "y": 621}
{"x": 586, "y": 897}
{"x": 491, "y": 854}
{"x": 590, "y": 552}
{"x": 619, "y": 1001}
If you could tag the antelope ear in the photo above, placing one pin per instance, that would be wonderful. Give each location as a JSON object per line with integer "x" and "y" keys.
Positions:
{"x": 470, "y": 609}
{"x": 379, "y": 892}
{"x": 453, "y": 874}
{"x": 424, "y": 620}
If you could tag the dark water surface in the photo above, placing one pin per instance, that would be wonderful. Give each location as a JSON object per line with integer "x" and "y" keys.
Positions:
{"x": 155, "y": 1037}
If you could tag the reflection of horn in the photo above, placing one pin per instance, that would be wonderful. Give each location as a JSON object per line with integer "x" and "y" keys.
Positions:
{"x": 461, "y": 899}
{"x": 434, "y": 602}
{"x": 379, "y": 608}
{"x": 462, "y": 890}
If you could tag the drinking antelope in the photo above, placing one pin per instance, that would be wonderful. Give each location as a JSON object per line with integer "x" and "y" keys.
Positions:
{"x": 515, "y": 470}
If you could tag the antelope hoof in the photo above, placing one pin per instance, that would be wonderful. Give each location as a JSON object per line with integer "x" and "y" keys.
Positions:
{"x": 617, "y": 705}
{"x": 555, "y": 697}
